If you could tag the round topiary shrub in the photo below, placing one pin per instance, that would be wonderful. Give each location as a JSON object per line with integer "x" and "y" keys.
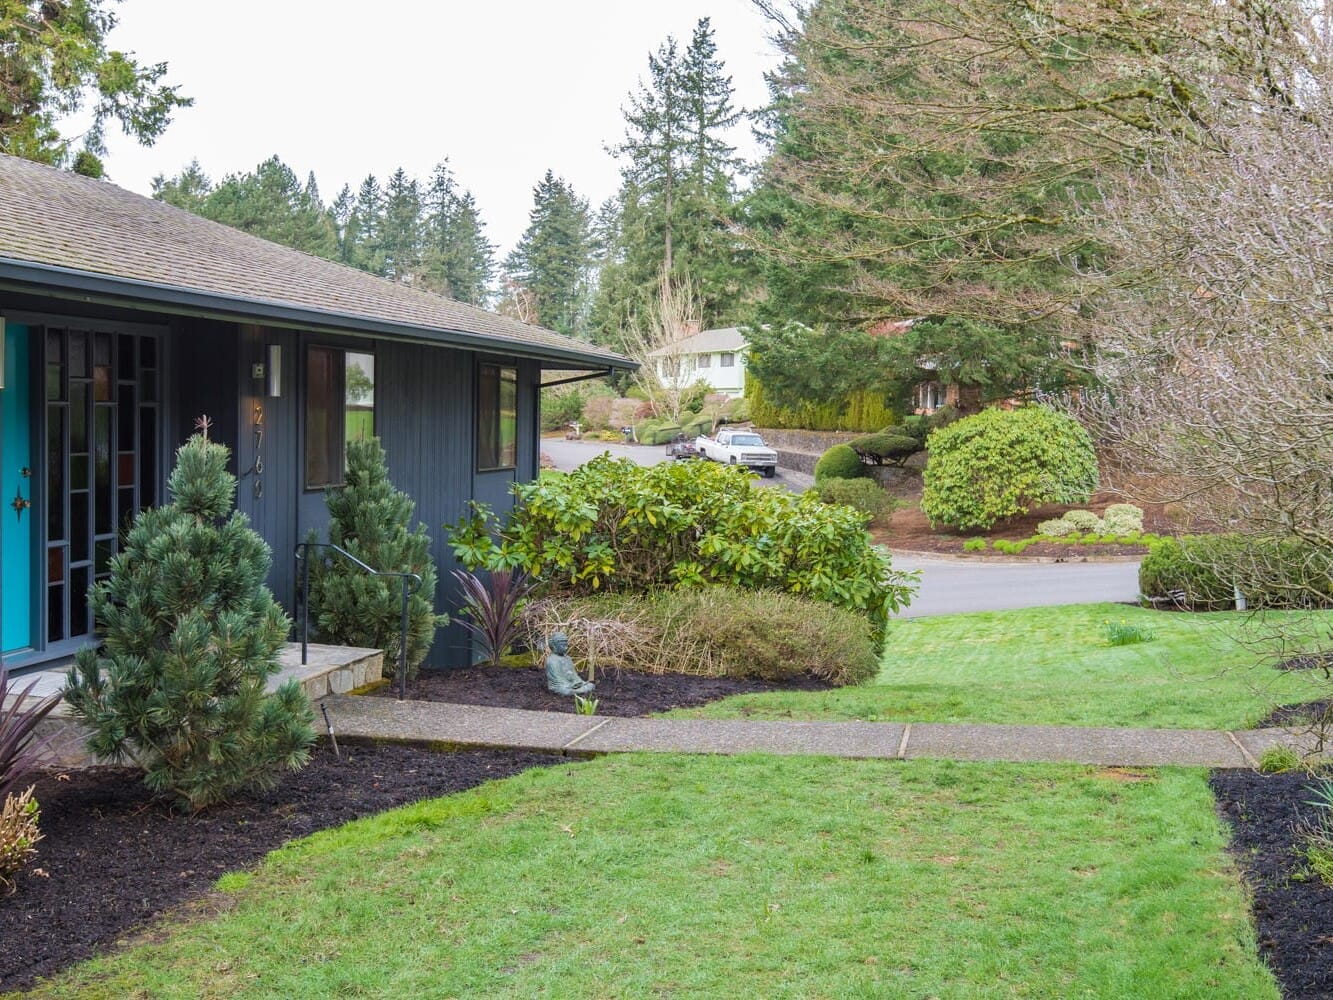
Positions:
{"x": 1082, "y": 520}
{"x": 1122, "y": 519}
{"x": 1056, "y": 528}
{"x": 1001, "y": 463}
{"x": 839, "y": 462}
{"x": 865, "y": 495}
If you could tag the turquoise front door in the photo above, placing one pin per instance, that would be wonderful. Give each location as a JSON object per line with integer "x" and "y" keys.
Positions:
{"x": 17, "y": 522}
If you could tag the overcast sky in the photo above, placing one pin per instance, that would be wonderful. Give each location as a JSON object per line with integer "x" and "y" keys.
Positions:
{"x": 505, "y": 89}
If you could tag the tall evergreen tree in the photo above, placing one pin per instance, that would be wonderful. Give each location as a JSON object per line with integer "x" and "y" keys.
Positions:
{"x": 400, "y": 228}
{"x": 268, "y": 201}
{"x": 367, "y": 222}
{"x": 552, "y": 260}
{"x": 54, "y": 63}
{"x": 190, "y": 636}
{"x": 346, "y": 225}
{"x": 678, "y": 189}
{"x": 188, "y": 190}
{"x": 459, "y": 261}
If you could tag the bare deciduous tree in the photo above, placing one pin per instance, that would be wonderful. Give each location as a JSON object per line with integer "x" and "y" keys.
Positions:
{"x": 654, "y": 341}
{"x": 1216, "y": 340}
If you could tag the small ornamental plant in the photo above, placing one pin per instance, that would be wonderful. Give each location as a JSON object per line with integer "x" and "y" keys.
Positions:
{"x": 1122, "y": 633}
{"x": 190, "y": 635}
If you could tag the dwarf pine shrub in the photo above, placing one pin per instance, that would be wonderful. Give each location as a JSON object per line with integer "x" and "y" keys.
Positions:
{"x": 190, "y": 635}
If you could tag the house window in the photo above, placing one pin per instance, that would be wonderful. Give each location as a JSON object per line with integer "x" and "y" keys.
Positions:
{"x": 497, "y": 418}
{"x": 705, "y": 361}
{"x": 728, "y": 360}
{"x": 339, "y": 407}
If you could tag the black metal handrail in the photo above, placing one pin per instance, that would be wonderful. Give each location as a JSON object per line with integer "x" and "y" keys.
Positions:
{"x": 303, "y": 559}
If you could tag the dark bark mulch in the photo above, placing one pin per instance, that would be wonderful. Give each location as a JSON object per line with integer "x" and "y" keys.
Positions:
{"x": 1293, "y": 910}
{"x": 1309, "y": 661}
{"x": 1297, "y": 716}
{"x": 112, "y": 859}
{"x": 620, "y": 693}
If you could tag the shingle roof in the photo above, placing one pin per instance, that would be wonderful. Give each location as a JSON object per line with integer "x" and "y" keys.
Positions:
{"x": 62, "y": 220}
{"x": 728, "y": 338}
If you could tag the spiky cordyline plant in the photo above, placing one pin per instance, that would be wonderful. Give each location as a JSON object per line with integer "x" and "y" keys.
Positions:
{"x": 21, "y": 751}
{"x": 490, "y": 612}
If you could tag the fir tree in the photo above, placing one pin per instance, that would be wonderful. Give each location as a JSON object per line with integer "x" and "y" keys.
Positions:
{"x": 190, "y": 636}
{"x": 372, "y": 520}
{"x": 459, "y": 260}
{"x": 400, "y": 228}
{"x": 553, "y": 260}
{"x": 677, "y": 192}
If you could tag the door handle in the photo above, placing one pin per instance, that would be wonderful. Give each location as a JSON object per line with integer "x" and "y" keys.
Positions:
{"x": 20, "y": 503}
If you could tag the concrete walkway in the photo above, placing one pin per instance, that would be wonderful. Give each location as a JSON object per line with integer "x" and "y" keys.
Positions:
{"x": 362, "y": 718}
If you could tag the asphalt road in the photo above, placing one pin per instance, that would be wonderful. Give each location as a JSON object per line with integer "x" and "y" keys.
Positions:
{"x": 947, "y": 586}
{"x": 569, "y": 455}
{"x": 950, "y": 586}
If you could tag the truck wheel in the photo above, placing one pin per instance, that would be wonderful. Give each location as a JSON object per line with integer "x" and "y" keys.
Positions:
{"x": 770, "y": 472}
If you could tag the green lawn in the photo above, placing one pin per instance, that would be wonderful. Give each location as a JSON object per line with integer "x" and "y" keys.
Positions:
{"x": 1053, "y": 666}
{"x": 650, "y": 876}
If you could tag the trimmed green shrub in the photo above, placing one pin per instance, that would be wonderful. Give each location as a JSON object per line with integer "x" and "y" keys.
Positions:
{"x": 696, "y": 427}
{"x": 1000, "y": 463}
{"x": 656, "y": 431}
{"x": 864, "y": 495}
{"x": 839, "y": 462}
{"x": 561, "y": 405}
{"x": 1055, "y": 528}
{"x": 715, "y": 631}
{"x": 1083, "y": 520}
{"x": 372, "y": 520}
{"x": 190, "y": 637}
{"x": 1202, "y": 572}
{"x": 613, "y": 525}
{"x": 975, "y": 545}
{"x": 885, "y": 447}
{"x": 1122, "y": 519}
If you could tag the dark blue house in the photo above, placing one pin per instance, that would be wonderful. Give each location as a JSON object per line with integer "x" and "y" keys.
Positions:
{"x": 123, "y": 319}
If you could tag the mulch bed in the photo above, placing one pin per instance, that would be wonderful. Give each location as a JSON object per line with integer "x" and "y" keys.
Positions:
{"x": 909, "y": 530}
{"x": 1293, "y": 911}
{"x": 622, "y": 693}
{"x": 112, "y": 859}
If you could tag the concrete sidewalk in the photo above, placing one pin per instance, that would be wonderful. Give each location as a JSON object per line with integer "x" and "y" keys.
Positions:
{"x": 361, "y": 718}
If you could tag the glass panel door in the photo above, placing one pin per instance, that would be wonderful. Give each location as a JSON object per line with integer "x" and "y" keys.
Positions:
{"x": 101, "y": 441}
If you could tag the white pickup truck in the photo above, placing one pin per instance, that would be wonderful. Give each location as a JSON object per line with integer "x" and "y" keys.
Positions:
{"x": 739, "y": 448}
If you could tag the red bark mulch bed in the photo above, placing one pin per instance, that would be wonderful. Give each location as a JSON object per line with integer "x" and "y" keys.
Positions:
{"x": 909, "y": 530}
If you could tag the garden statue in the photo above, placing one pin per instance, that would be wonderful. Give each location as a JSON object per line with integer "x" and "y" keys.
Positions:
{"x": 561, "y": 677}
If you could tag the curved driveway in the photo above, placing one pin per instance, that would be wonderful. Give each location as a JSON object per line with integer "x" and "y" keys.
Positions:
{"x": 947, "y": 586}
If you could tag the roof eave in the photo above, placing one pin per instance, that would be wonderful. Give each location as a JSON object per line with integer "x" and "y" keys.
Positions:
{"x": 90, "y": 286}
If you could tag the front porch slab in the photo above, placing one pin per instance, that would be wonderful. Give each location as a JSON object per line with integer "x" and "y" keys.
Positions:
{"x": 327, "y": 670}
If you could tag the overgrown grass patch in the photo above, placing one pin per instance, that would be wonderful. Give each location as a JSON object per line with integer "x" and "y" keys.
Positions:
{"x": 1053, "y": 666}
{"x": 713, "y": 877}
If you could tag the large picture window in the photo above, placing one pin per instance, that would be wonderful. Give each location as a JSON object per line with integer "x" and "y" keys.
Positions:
{"x": 497, "y": 417}
{"x": 339, "y": 407}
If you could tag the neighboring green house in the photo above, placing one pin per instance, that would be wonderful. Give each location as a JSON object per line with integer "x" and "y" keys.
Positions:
{"x": 124, "y": 319}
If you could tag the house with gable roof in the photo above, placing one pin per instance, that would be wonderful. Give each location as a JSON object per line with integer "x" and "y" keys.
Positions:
{"x": 713, "y": 356}
{"x": 124, "y": 319}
